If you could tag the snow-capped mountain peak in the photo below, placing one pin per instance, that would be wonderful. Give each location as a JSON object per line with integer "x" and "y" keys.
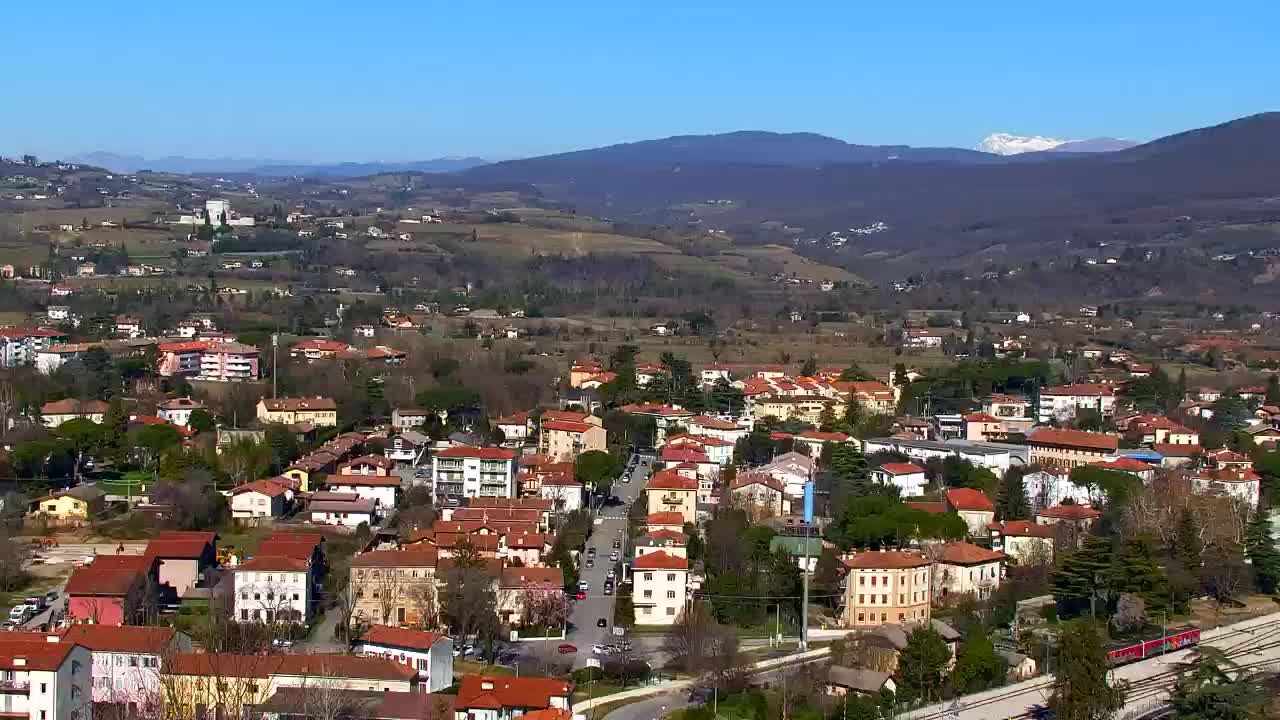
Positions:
{"x": 1007, "y": 144}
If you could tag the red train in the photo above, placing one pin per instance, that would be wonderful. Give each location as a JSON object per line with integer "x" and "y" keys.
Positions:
{"x": 1175, "y": 640}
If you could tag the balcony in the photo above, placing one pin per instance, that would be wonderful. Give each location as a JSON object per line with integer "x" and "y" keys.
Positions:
{"x": 672, "y": 499}
{"x": 15, "y": 686}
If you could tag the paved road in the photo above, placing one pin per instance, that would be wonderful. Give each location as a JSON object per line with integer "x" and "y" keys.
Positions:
{"x": 611, "y": 525}
{"x": 653, "y": 708}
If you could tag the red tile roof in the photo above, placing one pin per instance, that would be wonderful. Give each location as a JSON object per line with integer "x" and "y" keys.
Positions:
{"x": 540, "y": 504}
{"x": 981, "y": 418}
{"x": 665, "y": 518}
{"x": 273, "y": 563}
{"x": 969, "y": 499}
{"x": 494, "y": 692}
{"x": 266, "y": 487}
{"x": 1022, "y": 528}
{"x": 177, "y": 548}
{"x": 1124, "y": 464}
{"x": 288, "y": 548}
{"x": 901, "y": 468}
{"x": 682, "y": 454}
{"x": 123, "y": 638}
{"x": 671, "y": 480}
{"x": 659, "y": 560}
{"x": 24, "y": 655}
{"x": 1176, "y": 450}
{"x": 887, "y": 560}
{"x": 364, "y": 480}
{"x": 1074, "y": 439}
{"x": 677, "y": 537}
{"x": 526, "y": 577}
{"x": 100, "y": 582}
{"x": 1071, "y": 512}
{"x": 264, "y": 666}
{"x": 755, "y": 478}
{"x": 824, "y": 436}
{"x": 74, "y": 407}
{"x": 415, "y": 557}
{"x": 400, "y": 637}
{"x": 566, "y": 415}
{"x": 963, "y": 553}
{"x": 566, "y": 426}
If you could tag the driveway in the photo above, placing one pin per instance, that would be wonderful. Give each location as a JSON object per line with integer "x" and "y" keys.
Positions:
{"x": 610, "y": 525}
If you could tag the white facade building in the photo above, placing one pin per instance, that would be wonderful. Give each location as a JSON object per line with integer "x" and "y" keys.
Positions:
{"x": 431, "y": 654}
{"x": 272, "y": 589}
{"x": 660, "y": 587}
{"x": 460, "y": 472}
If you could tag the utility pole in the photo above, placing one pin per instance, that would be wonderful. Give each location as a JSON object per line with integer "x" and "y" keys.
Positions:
{"x": 804, "y": 595}
{"x": 275, "y": 347}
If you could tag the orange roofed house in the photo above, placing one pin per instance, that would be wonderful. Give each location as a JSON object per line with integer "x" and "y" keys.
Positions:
{"x": 493, "y": 697}
{"x": 661, "y": 586}
{"x": 888, "y": 586}
{"x": 1069, "y": 448}
{"x": 113, "y": 590}
{"x": 564, "y": 440}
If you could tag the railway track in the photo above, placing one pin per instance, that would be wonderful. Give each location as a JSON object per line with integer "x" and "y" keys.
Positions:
{"x": 1268, "y": 634}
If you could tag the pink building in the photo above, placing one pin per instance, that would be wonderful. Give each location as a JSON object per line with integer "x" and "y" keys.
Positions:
{"x": 209, "y": 360}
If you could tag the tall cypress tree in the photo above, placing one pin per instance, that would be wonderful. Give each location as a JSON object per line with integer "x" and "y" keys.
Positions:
{"x": 1138, "y": 571}
{"x": 1011, "y": 501}
{"x": 1260, "y": 545}
{"x": 1080, "y": 687}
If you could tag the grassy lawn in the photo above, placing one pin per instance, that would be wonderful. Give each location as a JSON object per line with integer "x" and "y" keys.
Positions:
{"x": 244, "y": 540}
{"x": 470, "y": 667}
{"x": 603, "y": 710}
{"x": 599, "y": 688}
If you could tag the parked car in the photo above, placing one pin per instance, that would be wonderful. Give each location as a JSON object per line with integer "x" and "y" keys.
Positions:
{"x": 51, "y": 597}
{"x": 617, "y": 544}
{"x": 8, "y": 626}
{"x": 602, "y": 622}
{"x": 608, "y": 589}
{"x": 612, "y": 573}
{"x": 614, "y": 556}
{"x": 581, "y": 595}
{"x": 566, "y": 649}
{"x": 583, "y": 586}
{"x": 591, "y": 563}
{"x": 597, "y": 649}
{"x": 37, "y": 601}
{"x": 21, "y": 613}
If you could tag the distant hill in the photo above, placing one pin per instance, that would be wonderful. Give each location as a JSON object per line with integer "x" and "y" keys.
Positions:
{"x": 259, "y": 166}
{"x": 352, "y": 169}
{"x": 748, "y": 147}
{"x": 1098, "y": 144}
{"x": 936, "y": 204}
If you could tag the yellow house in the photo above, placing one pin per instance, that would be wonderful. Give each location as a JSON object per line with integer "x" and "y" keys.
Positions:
{"x": 670, "y": 492}
{"x": 320, "y": 411}
{"x": 806, "y": 408}
{"x": 77, "y": 505}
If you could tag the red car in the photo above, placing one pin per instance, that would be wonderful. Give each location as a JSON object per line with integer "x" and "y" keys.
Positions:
{"x": 566, "y": 649}
{"x": 582, "y": 596}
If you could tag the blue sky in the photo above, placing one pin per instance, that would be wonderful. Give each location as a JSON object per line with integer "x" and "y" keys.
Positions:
{"x": 391, "y": 80}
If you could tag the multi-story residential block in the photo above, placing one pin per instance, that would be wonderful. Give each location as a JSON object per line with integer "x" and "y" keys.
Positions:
{"x": 20, "y": 346}
{"x": 660, "y": 587}
{"x": 1062, "y": 402}
{"x": 319, "y": 411}
{"x": 394, "y": 587}
{"x": 430, "y": 654}
{"x": 889, "y": 586}
{"x": 128, "y": 661}
{"x": 273, "y": 589}
{"x": 1068, "y": 449}
{"x": 209, "y": 360}
{"x": 669, "y": 491}
{"x": 370, "y": 477}
{"x": 468, "y": 472}
{"x": 42, "y": 680}
{"x": 564, "y": 440}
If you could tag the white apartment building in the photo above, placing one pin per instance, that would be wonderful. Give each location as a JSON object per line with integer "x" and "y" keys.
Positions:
{"x": 460, "y": 472}
{"x": 1064, "y": 401}
{"x": 44, "y": 680}
{"x": 127, "y": 659}
{"x": 429, "y": 653}
{"x": 660, "y": 587}
{"x": 272, "y": 589}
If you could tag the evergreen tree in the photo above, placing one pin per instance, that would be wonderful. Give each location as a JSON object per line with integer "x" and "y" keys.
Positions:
{"x": 1011, "y": 500}
{"x": 1084, "y": 578}
{"x": 283, "y": 444}
{"x": 922, "y": 667}
{"x": 846, "y": 462}
{"x": 1080, "y": 687}
{"x": 1137, "y": 571}
{"x": 809, "y": 367}
{"x": 1260, "y": 545}
{"x": 1182, "y": 384}
{"x": 1214, "y": 688}
{"x": 1273, "y": 389}
{"x": 1184, "y": 561}
{"x": 827, "y": 418}
{"x": 978, "y": 667}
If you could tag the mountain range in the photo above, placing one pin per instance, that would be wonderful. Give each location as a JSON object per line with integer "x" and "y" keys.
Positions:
{"x": 257, "y": 166}
{"x": 1007, "y": 144}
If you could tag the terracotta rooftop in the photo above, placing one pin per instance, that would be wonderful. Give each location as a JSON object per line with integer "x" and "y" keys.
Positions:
{"x": 494, "y": 692}
{"x": 901, "y": 468}
{"x": 887, "y": 560}
{"x": 963, "y": 553}
{"x": 1074, "y": 439}
{"x": 969, "y": 499}
{"x": 1071, "y": 512}
{"x": 400, "y": 637}
{"x": 123, "y": 638}
{"x": 659, "y": 560}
